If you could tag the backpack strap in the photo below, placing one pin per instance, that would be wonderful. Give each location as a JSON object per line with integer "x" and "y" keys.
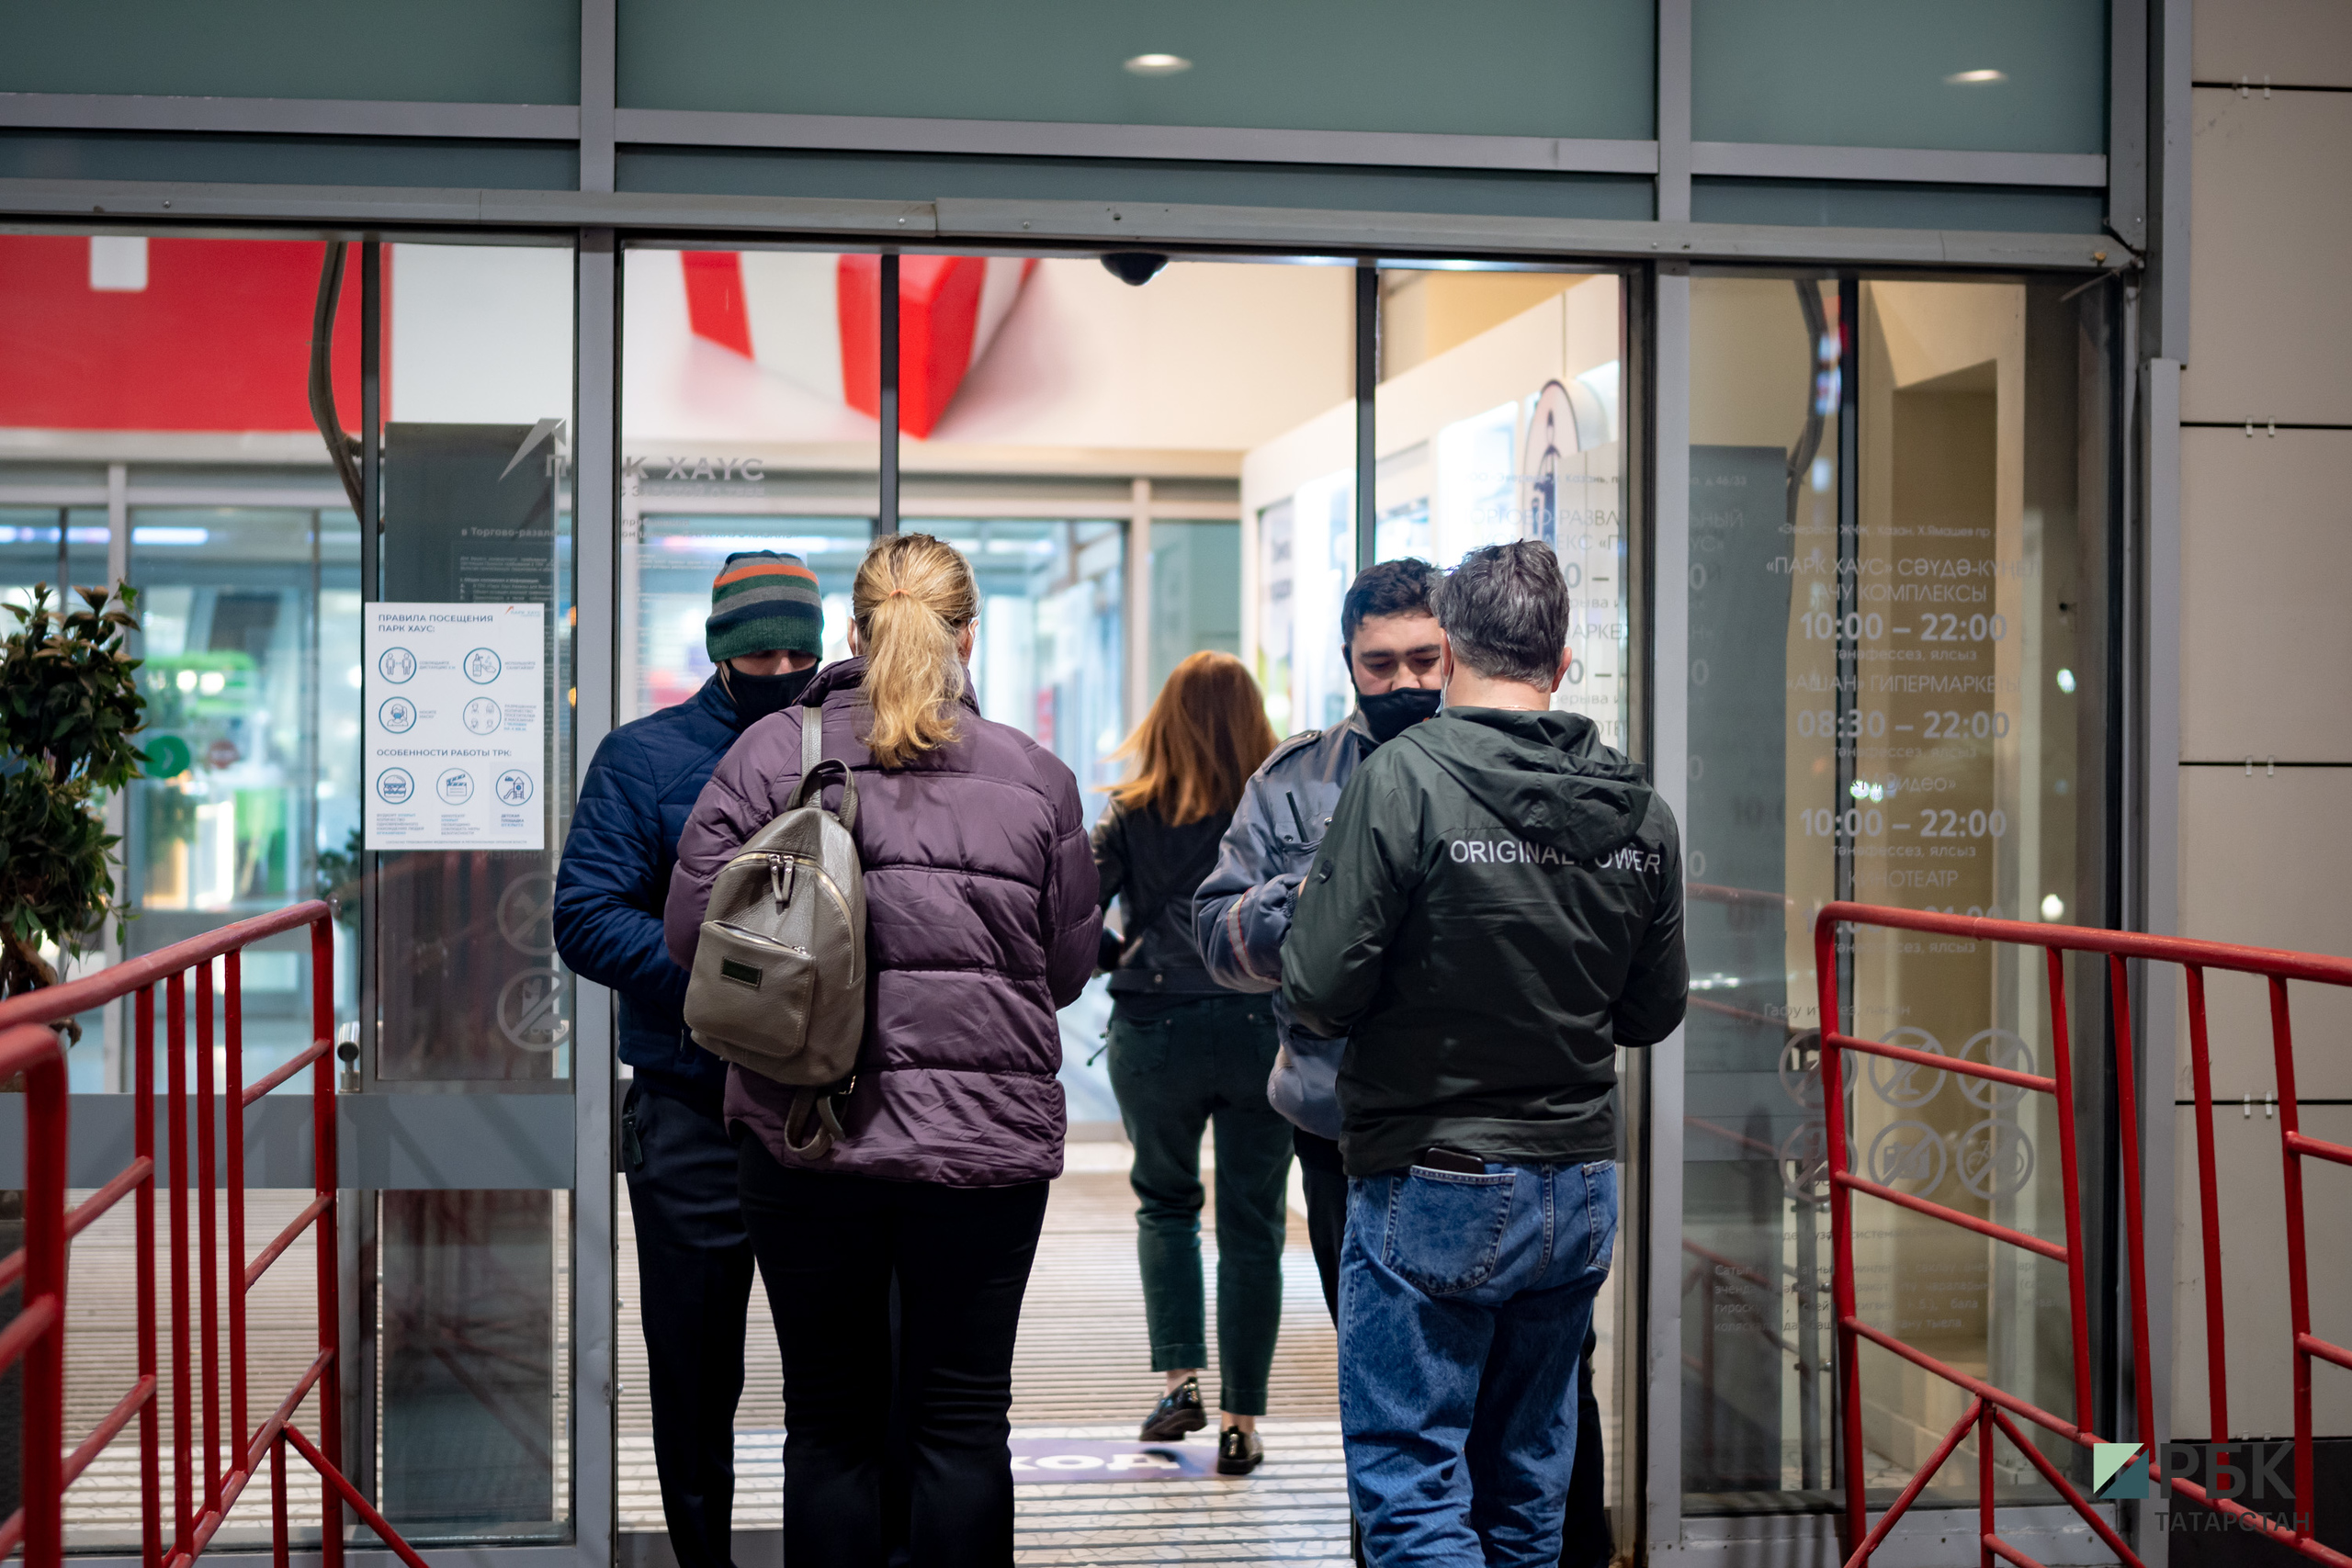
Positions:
{"x": 822, "y": 1137}
{"x": 816, "y": 769}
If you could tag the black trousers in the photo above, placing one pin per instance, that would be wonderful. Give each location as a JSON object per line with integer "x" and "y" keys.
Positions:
{"x": 693, "y": 1264}
{"x": 1584, "y": 1541}
{"x": 827, "y": 1247}
{"x": 1325, "y": 1180}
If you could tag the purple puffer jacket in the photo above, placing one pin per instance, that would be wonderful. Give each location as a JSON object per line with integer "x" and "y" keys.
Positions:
{"x": 981, "y": 922}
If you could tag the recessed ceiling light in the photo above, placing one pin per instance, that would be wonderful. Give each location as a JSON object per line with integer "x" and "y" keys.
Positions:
{"x": 1958, "y": 77}
{"x": 1158, "y": 65}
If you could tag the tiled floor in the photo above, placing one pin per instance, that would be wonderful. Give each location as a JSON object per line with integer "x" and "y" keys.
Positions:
{"x": 102, "y": 1509}
{"x": 1291, "y": 1511}
{"x": 1082, "y": 1369}
{"x": 101, "y": 1362}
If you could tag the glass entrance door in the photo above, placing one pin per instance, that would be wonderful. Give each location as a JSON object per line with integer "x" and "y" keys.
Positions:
{"x": 1896, "y": 591}
{"x": 160, "y": 427}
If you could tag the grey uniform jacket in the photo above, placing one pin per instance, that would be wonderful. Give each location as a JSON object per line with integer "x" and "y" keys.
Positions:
{"x": 1242, "y": 912}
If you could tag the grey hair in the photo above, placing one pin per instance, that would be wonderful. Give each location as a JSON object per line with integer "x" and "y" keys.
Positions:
{"x": 1505, "y": 609}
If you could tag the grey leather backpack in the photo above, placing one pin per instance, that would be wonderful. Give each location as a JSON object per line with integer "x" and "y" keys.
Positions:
{"x": 779, "y": 979}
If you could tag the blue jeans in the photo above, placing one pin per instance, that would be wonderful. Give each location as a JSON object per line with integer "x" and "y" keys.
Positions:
{"x": 1464, "y": 1302}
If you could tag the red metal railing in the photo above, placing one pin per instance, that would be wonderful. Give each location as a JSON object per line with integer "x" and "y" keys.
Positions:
{"x": 37, "y": 1336}
{"x": 199, "y": 1505}
{"x": 1990, "y": 1409}
{"x": 2295, "y": 1146}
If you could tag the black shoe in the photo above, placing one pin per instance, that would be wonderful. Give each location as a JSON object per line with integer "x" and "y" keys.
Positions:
{"x": 1176, "y": 1414}
{"x": 1238, "y": 1453}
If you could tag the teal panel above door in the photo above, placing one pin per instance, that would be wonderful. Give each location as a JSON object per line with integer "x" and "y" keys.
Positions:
{"x": 1869, "y": 204}
{"x": 447, "y": 51}
{"x": 874, "y": 177}
{"x": 1564, "y": 68}
{"x": 1990, "y": 76}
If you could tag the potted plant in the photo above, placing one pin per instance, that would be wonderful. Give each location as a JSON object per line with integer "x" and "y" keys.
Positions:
{"x": 68, "y": 709}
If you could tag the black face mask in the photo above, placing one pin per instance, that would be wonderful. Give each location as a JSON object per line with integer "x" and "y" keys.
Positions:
{"x": 756, "y": 696}
{"x": 1390, "y": 714}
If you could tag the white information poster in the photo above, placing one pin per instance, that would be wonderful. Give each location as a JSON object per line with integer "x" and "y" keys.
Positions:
{"x": 456, "y": 725}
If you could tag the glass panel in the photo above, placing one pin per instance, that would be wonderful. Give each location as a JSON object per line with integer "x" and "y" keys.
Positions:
{"x": 473, "y": 1357}
{"x": 1306, "y": 558}
{"x": 1051, "y": 652}
{"x": 1196, "y": 594}
{"x": 677, "y": 558}
{"x": 132, "y": 349}
{"x": 1497, "y": 419}
{"x": 751, "y": 380}
{"x": 750, "y": 392}
{"x": 2010, "y": 77}
{"x": 476, "y": 513}
{"x": 1895, "y": 710}
{"x": 179, "y": 368}
{"x": 1573, "y": 68}
{"x": 235, "y": 808}
{"x": 49, "y": 544}
{"x": 476, "y": 1361}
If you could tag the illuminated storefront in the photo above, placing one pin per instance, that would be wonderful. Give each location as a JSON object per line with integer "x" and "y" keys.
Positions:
{"x": 1845, "y": 506}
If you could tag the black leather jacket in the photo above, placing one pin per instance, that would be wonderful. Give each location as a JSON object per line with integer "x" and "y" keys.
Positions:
{"x": 1155, "y": 868}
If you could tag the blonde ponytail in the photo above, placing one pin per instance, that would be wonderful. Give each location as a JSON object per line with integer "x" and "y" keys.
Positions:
{"x": 912, "y": 598}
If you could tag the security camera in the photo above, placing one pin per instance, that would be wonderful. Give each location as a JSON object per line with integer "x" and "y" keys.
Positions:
{"x": 1134, "y": 268}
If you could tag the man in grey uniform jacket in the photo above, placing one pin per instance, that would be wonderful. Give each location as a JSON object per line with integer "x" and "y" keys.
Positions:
{"x": 1242, "y": 912}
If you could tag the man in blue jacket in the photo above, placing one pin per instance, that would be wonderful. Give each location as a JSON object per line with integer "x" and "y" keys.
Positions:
{"x": 764, "y": 634}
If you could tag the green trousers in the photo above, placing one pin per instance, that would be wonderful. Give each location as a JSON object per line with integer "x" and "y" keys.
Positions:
{"x": 1187, "y": 1066}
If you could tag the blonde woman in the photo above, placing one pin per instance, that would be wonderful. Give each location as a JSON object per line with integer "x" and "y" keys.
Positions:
{"x": 1186, "y": 1054}
{"x": 981, "y": 923}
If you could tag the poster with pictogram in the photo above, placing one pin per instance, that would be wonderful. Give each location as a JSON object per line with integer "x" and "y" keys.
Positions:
{"x": 455, "y": 727}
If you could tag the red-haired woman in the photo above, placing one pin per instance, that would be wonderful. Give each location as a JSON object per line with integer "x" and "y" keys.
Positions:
{"x": 1185, "y": 1053}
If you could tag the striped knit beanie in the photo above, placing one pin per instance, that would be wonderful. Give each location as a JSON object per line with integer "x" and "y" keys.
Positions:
{"x": 762, "y": 601}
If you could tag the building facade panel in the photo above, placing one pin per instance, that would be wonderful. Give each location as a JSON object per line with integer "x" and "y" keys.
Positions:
{"x": 2300, "y": 43}
{"x": 2252, "y": 1187}
{"x": 2269, "y": 325}
{"x": 2264, "y": 861}
{"x": 2266, "y": 549}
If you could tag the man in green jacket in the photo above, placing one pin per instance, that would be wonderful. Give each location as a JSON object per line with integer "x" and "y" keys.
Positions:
{"x": 1496, "y": 906}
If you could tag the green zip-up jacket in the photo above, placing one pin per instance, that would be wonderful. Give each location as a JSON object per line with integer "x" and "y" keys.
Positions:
{"x": 1497, "y": 906}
